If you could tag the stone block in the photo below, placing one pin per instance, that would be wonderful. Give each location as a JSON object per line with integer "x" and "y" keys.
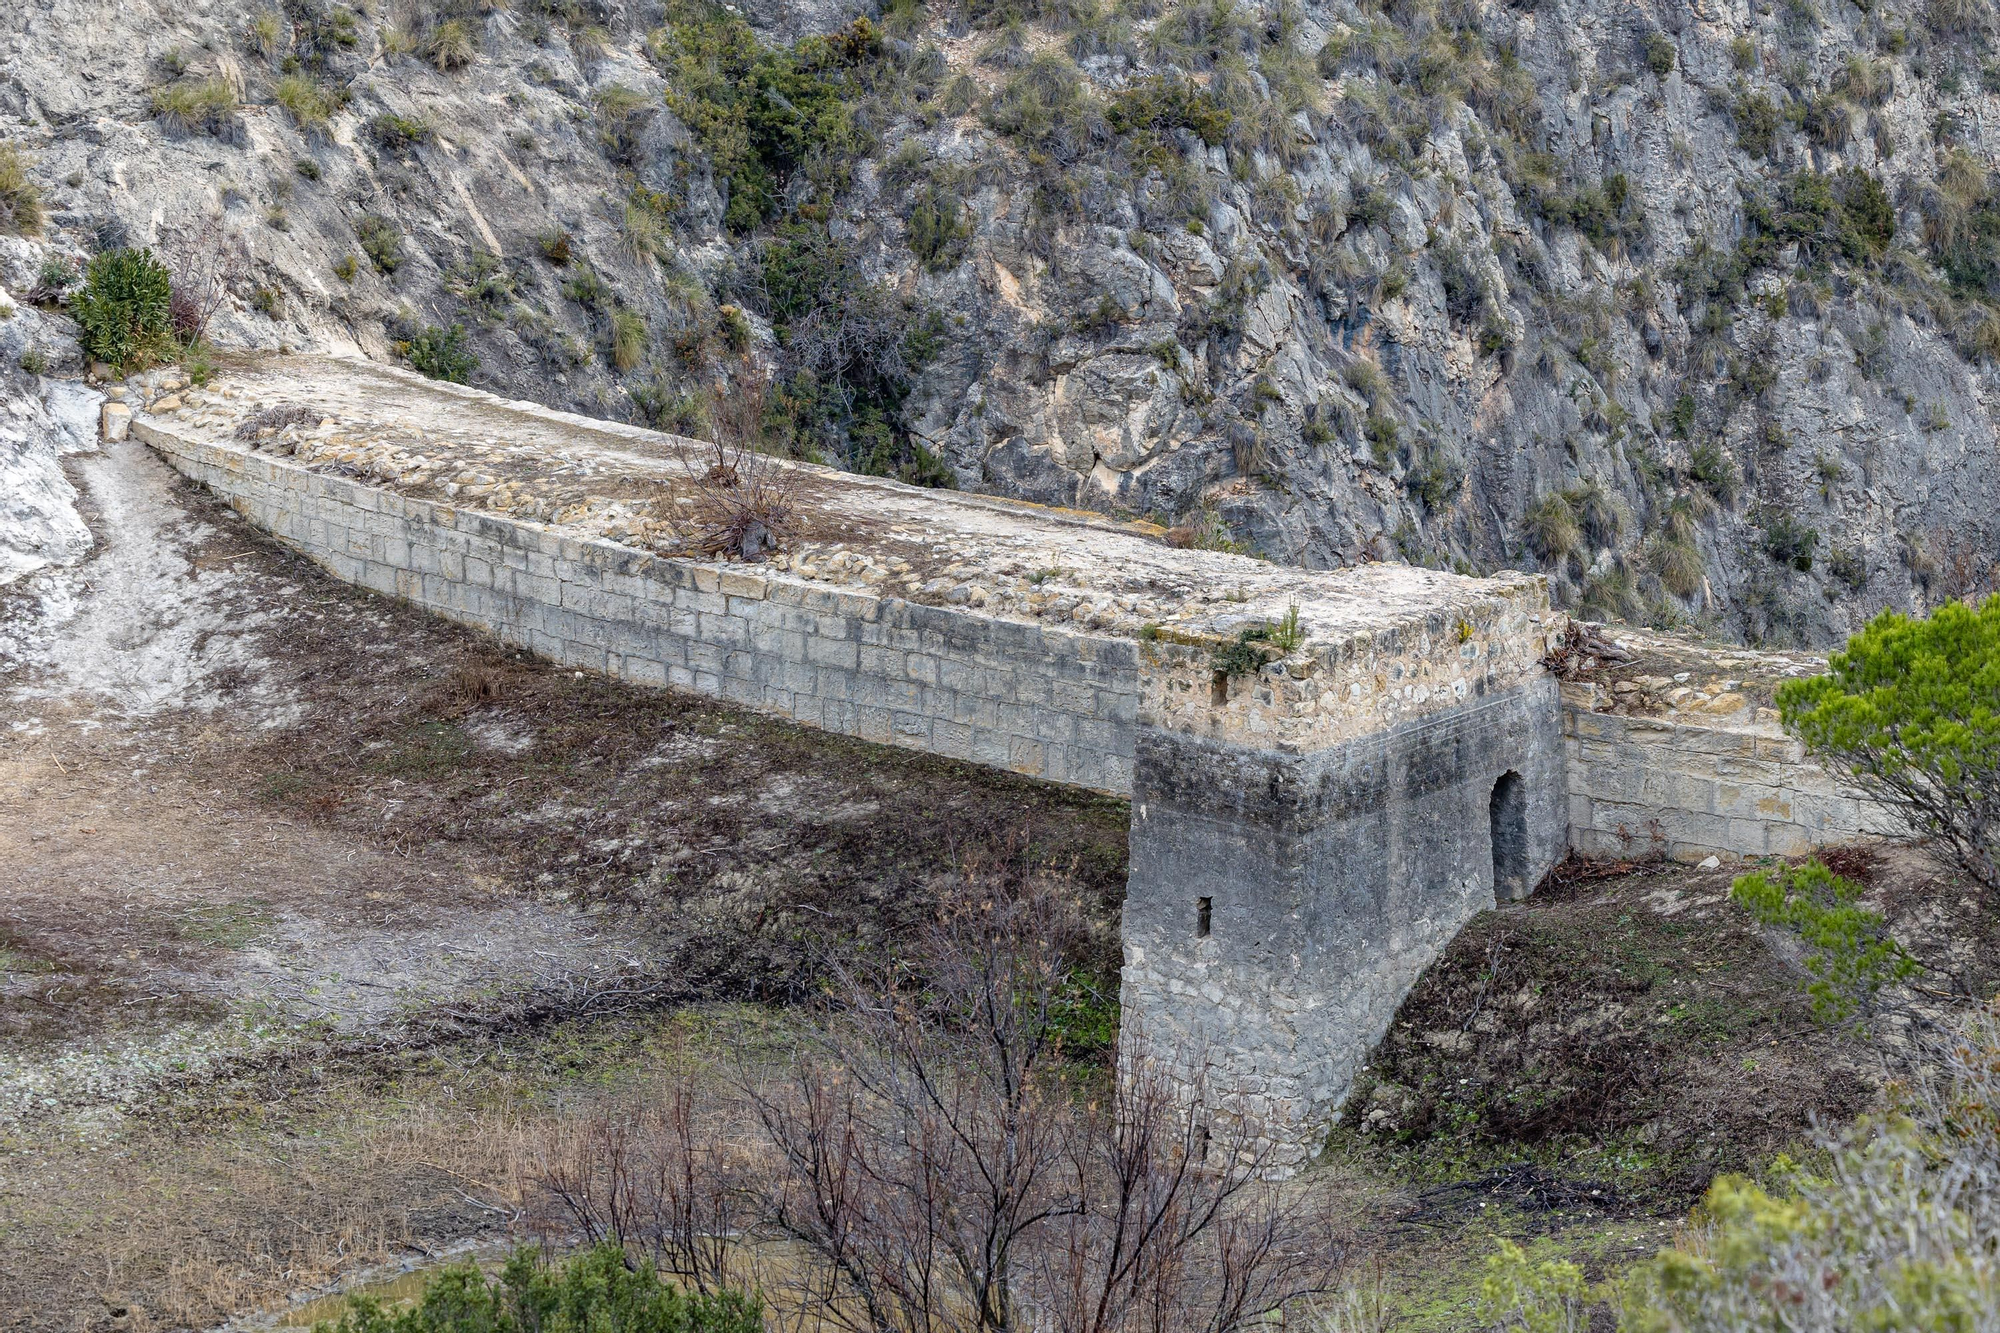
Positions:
{"x": 843, "y": 653}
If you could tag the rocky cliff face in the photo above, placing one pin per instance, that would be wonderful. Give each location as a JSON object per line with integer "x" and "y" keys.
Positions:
{"x": 1692, "y": 305}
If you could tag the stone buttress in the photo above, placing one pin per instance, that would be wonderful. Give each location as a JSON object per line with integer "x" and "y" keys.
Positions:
{"x": 1305, "y": 840}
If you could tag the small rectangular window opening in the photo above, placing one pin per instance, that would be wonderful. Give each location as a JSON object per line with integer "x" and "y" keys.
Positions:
{"x": 1218, "y": 689}
{"x": 1202, "y": 914}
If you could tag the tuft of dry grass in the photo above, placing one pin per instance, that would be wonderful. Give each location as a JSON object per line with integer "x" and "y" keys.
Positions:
{"x": 191, "y": 105}
{"x": 20, "y": 198}
{"x": 450, "y": 46}
{"x": 307, "y": 101}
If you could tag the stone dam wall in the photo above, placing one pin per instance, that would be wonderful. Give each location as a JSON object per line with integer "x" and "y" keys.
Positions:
{"x": 1308, "y": 831}
{"x": 1050, "y": 703}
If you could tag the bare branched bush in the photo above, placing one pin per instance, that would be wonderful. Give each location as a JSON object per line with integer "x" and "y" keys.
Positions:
{"x": 660, "y": 1181}
{"x": 745, "y": 503}
{"x": 929, "y": 1159}
{"x": 205, "y": 263}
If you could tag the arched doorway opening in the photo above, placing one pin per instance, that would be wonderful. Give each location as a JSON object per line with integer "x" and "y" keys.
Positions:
{"x": 1507, "y": 814}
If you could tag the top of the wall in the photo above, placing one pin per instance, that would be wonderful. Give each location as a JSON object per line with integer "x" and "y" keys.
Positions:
{"x": 472, "y": 450}
{"x": 1682, "y": 681}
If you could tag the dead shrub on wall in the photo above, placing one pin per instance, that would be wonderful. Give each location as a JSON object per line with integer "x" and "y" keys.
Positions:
{"x": 745, "y": 503}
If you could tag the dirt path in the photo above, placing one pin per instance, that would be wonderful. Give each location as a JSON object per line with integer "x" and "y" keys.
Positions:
{"x": 153, "y": 917}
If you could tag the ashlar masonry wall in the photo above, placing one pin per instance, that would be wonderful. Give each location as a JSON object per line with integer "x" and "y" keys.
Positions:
{"x": 1051, "y": 703}
{"x": 1307, "y": 834}
{"x": 1677, "y": 750}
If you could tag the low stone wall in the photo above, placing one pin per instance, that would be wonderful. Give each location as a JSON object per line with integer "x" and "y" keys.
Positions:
{"x": 1679, "y": 752}
{"x": 1050, "y": 703}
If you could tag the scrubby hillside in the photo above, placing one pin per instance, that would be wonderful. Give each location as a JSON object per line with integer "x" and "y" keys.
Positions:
{"x": 1695, "y": 307}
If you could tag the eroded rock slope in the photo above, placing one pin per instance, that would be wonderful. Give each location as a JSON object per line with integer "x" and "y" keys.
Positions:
{"x": 1691, "y": 304}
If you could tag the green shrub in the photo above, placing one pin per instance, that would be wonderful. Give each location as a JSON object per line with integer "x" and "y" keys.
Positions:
{"x": 1384, "y": 434}
{"x": 848, "y": 352}
{"x": 307, "y": 101}
{"x": 763, "y": 113}
{"x": 1551, "y": 1296}
{"x": 1437, "y": 481}
{"x": 1155, "y": 106}
{"x": 1659, "y": 53}
{"x": 1847, "y": 213}
{"x": 1849, "y": 566}
{"x": 1911, "y": 711}
{"x": 939, "y": 229}
{"x": 587, "y": 287}
{"x": 1712, "y": 466}
{"x": 1787, "y": 540}
{"x": 1756, "y": 119}
{"x": 1849, "y": 952}
{"x": 441, "y": 353}
{"x": 122, "y": 308}
{"x": 734, "y": 326}
{"x": 555, "y": 245}
{"x": 188, "y": 105}
{"x": 381, "y": 240}
{"x": 399, "y": 134}
{"x": 20, "y": 198}
{"x": 344, "y": 268}
{"x": 1246, "y": 654}
{"x": 597, "y": 1291}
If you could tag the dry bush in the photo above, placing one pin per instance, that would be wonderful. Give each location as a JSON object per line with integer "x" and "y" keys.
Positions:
{"x": 205, "y": 263}
{"x": 929, "y": 1160}
{"x": 666, "y": 1178}
{"x": 477, "y": 685}
{"x": 745, "y": 503}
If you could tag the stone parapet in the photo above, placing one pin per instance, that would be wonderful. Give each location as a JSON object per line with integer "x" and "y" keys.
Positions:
{"x": 1044, "y": 701}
